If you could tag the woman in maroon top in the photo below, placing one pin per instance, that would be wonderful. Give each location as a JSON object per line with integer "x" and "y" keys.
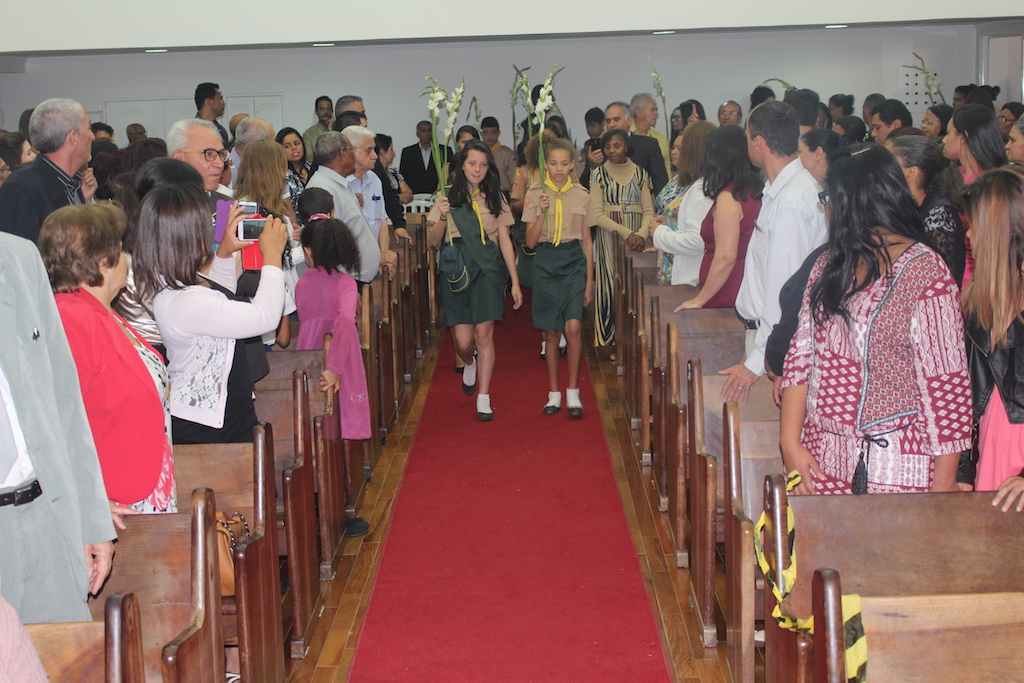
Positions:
{"x": 735, "y": 185}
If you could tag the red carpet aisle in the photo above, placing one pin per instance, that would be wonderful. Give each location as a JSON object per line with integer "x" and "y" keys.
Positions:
{"x": 509, "y": 557}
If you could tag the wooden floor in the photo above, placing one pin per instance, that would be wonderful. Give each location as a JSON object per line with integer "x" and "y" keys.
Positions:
{"x": 347, "y": 596}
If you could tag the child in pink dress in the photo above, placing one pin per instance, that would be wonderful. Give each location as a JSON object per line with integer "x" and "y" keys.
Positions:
{"x": 327, "y": 297}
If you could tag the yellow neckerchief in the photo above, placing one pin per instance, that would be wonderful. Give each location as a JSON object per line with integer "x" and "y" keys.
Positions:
{"x": 476, "y": 210}
{"x": 557, "y": 237}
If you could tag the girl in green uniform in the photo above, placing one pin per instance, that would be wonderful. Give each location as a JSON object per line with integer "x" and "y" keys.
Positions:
{"x": 558, "y": 217}
{"x": 475, "y": 219}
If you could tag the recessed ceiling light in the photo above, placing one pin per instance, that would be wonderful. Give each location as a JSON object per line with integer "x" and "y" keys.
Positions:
{"x": 323, "y": 44}
{"x": 161, "y": 50}
{"x": 663, "y": 33}
{"x": 836, "y": 26}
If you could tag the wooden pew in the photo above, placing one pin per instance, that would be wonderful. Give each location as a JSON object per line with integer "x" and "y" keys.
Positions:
{"x": 92, "y": 651}
{"x": 295, "y": 477}
{"x": 751, "y": 454}
{"x": 965, "y": 637}
{"x": 242, "y": 474}
{"x": 706, "y": 488}
{"x": 386, "y": 359}
{"x": 885, "y": 545}
{"x": 169, "y": 561}
{"x": 369, "y": 340}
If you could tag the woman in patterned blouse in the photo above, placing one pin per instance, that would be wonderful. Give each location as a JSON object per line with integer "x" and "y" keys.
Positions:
{"x": 876, "y": 396}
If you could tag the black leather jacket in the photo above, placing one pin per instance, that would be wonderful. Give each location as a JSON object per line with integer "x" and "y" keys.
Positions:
{"x": 1003, "y": 367}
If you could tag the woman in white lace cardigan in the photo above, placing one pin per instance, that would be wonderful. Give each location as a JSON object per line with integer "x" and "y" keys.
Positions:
{"x": 192, "y": 288}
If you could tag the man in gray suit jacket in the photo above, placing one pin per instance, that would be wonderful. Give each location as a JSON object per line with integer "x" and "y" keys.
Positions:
{"x": 53, "y": 503}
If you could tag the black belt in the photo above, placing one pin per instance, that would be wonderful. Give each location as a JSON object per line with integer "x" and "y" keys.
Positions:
{"x": 23, "y": 495}
{"x": 749, "y": 324}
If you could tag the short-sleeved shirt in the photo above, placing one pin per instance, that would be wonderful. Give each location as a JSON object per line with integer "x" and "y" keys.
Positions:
{"x": 577, "y": 212}
{"x": 491, "y": 222}
{"x": 373, "y": 199}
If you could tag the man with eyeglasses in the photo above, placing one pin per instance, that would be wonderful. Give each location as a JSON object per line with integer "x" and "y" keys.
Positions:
{"x": 368, "y": 186}
{"x": 730, "y": 113}
{"x": 59, "y": 129}
{"x": 198, "y": 144}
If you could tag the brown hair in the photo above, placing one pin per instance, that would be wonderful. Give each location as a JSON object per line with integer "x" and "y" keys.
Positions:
{"x": 261, "y": 176}
{"x": 691, "y": 151}
{"x": 995, "y": 209}
{"x": 173, "y": 241}
{"x": 76, "y": 241}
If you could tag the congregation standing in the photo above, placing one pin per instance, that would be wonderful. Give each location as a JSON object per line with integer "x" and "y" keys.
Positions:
{"x": 846, "y": 245}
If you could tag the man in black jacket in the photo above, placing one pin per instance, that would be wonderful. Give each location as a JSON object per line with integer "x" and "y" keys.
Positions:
{"x": 646, "y": 153}
{"x": 417, "y": 165}
{"x": 59, "y": 129}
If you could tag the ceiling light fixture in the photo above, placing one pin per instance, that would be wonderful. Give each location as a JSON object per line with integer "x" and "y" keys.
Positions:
{"x": 160, "y": 50}
{"x": 323, "y": 44}
{"x": 663, "y": 33}
{"x": 835, "y": 26}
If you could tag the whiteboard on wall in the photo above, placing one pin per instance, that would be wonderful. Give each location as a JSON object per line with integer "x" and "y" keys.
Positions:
{"x": 157, "y": 115}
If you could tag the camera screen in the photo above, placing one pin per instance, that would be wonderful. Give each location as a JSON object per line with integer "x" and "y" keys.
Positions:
{"x": 249, "y": 229}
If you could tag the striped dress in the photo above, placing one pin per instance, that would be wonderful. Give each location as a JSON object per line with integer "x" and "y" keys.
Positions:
{"x": 622, "y": 205}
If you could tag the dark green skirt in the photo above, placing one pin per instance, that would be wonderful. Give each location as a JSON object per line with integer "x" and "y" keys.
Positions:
{"x": 559, "y": 284}
{"x": 479, "y": 302}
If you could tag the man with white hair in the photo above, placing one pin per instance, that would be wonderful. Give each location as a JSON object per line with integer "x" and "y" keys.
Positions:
{"x": 368, "y": 185}
{"x": 198, "y": 144}
{"x": 336, "y": 162}
{"x": 250, "y": 129}
{"x": 645, "y": 113}
{"x": 59, "y": 129}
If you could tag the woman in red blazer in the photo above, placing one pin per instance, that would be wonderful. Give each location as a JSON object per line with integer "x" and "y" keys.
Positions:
{"x": 123, "y": 380}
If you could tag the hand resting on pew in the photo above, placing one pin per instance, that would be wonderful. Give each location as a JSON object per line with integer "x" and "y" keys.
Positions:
{"x": 329, "y": 382}
{"x": 1012, "y": 488}
{"x": 117, "y": 512}
{"x": 739, "y": 383}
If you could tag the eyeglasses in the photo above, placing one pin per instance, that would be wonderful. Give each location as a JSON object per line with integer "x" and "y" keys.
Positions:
{"x": 210, "y": 154}
{"x": 728, "y": 113}
{"x": 1006, "y": 119}
{"x": 929, "y": 122}
{"x": 823, "y": 197}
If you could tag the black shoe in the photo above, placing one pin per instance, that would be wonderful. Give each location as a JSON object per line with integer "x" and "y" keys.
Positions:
{"x": 484, "y": 417}
{"x": 469, "y": 389}
{"x": 562, "y": 350}
{"x": 551, "y": 410}
{"x": 355, "y": 526}
{"x": 460, "y": 370}
{"x": 575, "y": 411}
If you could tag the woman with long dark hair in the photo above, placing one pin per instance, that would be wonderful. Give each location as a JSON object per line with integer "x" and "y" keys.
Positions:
{"x": 192, "y": 290}
{"x": 735, "y": 186}
{"x": 974, "y": 141}
{"x": 475, "y": 219}
{"x": 935, "y": 185}
{"x": 874, "y": 392}
{"x": 299, "y": 170}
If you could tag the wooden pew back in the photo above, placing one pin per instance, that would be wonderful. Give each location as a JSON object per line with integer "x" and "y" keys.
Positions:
{"x": 242, "y": 475}
{"x": 959, "y": 637}
{"x": 109, "y": 651}
{"x": 170, "y": 562}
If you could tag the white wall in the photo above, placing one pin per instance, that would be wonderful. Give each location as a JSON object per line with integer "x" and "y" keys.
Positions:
{"x": 130, "y": 23}
{"x": 711, "y": 67}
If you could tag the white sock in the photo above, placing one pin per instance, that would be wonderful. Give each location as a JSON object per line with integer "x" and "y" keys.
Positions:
{"x": 543, "y": 347}
{"x": 562, "y": 343}
{"x": 483, "y": 403}
{"x": 572, "y": 398}
{"x": 469, "y": 374}
{"x": 554, "y": 398}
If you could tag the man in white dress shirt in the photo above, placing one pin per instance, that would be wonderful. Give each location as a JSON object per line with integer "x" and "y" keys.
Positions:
{"x": 368, "y": 188}
{"x": 336, "y": 160}
{"x": 790, "y": 225}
